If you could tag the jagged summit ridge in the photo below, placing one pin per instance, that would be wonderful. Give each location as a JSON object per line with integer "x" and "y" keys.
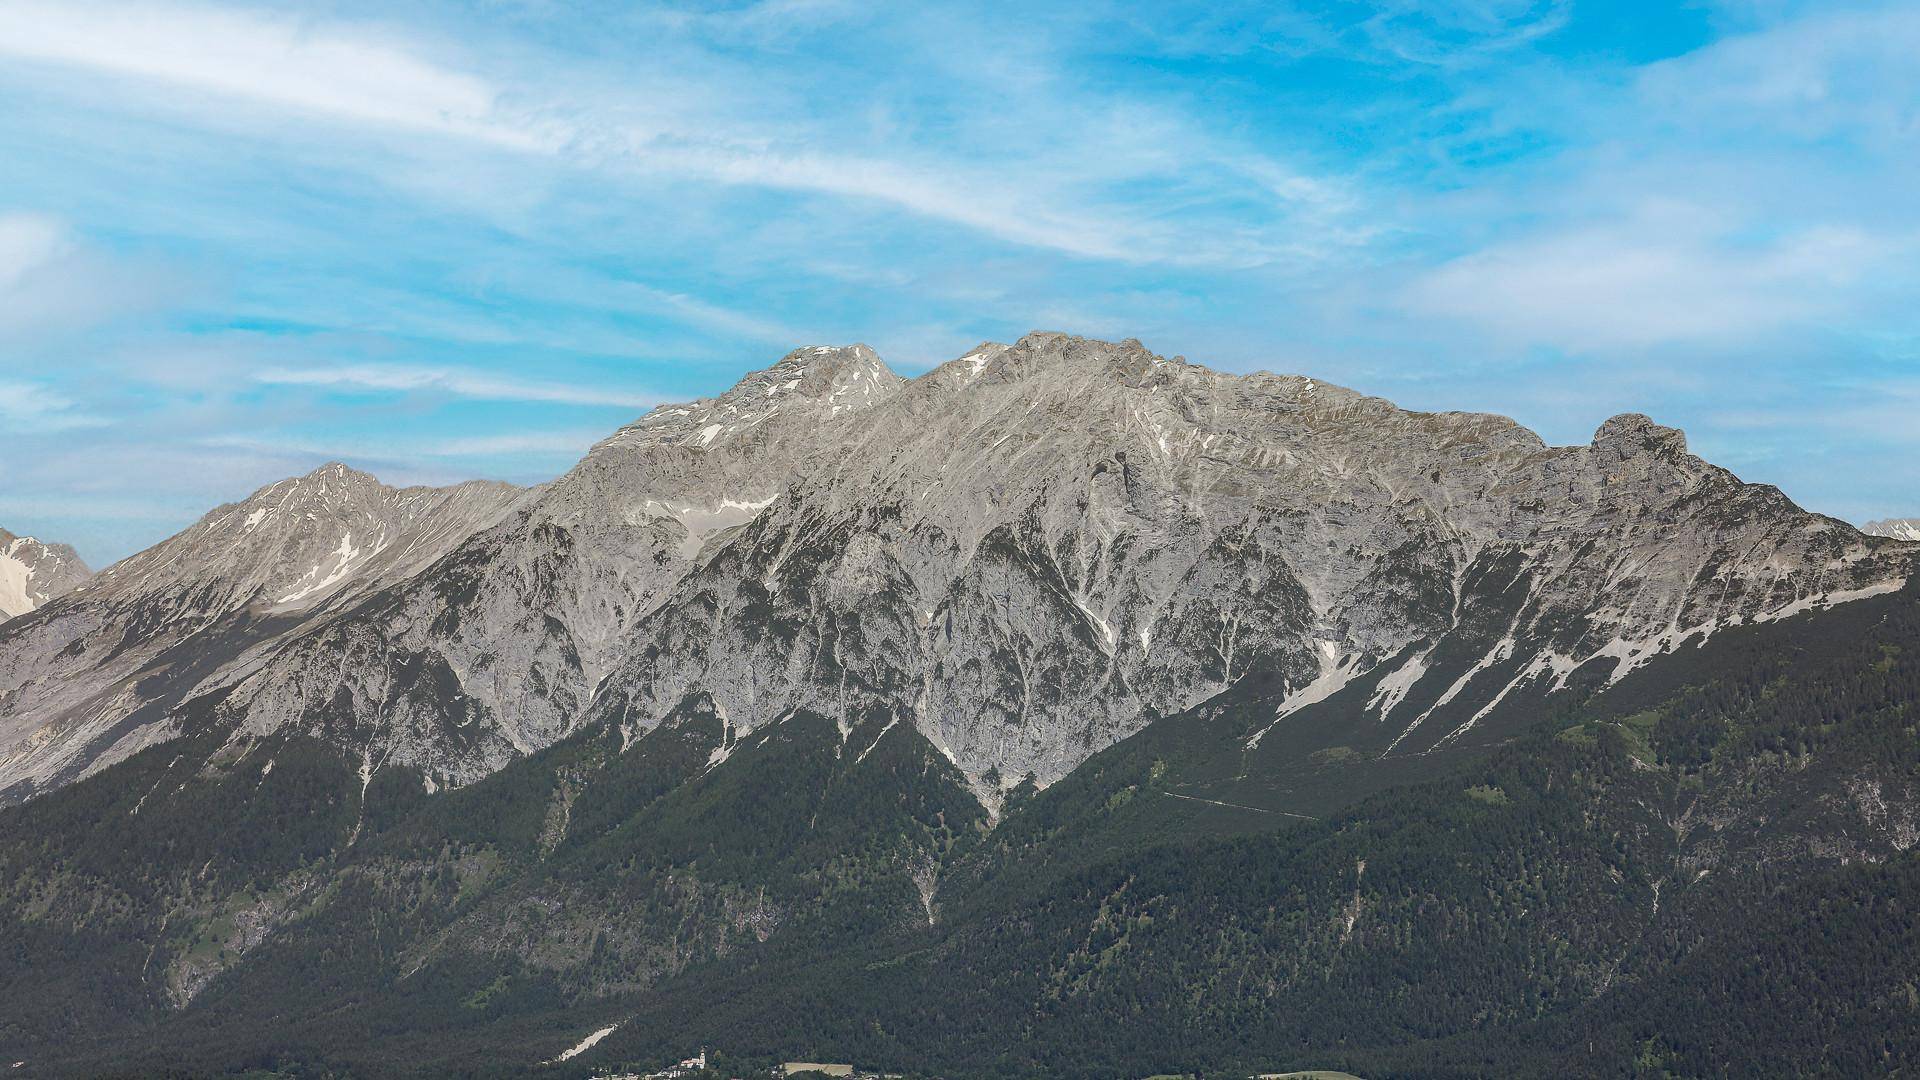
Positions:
{"x": 844, "y": 379}
{"x": 1043, "y": 544}
{"x": 1026, "y": 554}
{"x": 298, "y": 540}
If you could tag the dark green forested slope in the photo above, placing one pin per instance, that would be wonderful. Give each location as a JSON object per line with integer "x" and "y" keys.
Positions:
{"x": 1702, "y": 871}
{"x": 1709, "y": 865}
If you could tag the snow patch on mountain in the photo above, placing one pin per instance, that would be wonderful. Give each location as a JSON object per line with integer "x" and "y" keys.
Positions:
{"x": 15, "y": 579}
{"x": 1896, "y": 528}
{"x": 33, "y": 572}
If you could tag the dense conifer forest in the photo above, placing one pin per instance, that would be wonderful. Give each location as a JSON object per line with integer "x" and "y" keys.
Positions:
{"x": 1708, "y": 869}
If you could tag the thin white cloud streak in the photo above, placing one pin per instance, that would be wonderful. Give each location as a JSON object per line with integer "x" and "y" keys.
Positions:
{"x": 30, "y": 407}
{"x": 697, "y": 312}
{"x": 1879, "y": 411}
{"x": 28, "y": 242}
{"x": 1752, "y": 191}
{"x": 457, "y": 382}
{"x": 406, "y": 456}
{"x": 1636, "y": 284}
{"x": 51, "y": 282}
{"x": 991, "y": 208}
{"x": 1827, "y": 72}
{"x": 280, "y": 61}
{"x": 359, "y": 76}
{"x": 1454, "y": 34}
{"x": 541, "y": 443}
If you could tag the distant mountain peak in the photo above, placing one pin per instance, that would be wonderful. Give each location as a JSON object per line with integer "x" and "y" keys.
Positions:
{"x": 333, "y": 480}
{"x": 33, "y": 572}
{"x": 291, "y": 541}
{"x": 302, "y": 538}
{"x": 1897, "y": 528}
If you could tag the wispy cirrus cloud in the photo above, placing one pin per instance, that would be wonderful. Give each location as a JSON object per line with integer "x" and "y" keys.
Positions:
{"x": 274, "y": 60}
{"x": 1738, "y": 205}
{"x": 28, "y": 243}
{"x": 51, "y": 281}
{"x": 32, "y": 407}
{"x": 1837, "y": 69}
{"x": 1659, "y": 279}
{"x": 570, "y": 444}
{"x": 447, "y": 232}
{"x": 1467, "y": 32}
{"x": 1056, "y": 193}
{"x": 458, "y": 382}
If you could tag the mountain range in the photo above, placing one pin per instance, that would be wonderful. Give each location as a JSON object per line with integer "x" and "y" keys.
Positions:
{"x": 1024, "y": 553}
{"x": 952, "y": 721}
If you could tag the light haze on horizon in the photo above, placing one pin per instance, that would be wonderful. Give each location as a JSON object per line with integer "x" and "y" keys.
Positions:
{"x": 446, "y": 240}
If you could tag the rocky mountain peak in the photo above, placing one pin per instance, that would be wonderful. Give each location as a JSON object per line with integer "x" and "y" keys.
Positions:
{"x": 335, "y": 474}
{"x": 809, "y": 385}
{"x": 1045, "y": 353}
{"x": 848, "y": 378}
{"x": 1082, "y": 367}
{"x": 293, "y": 541}
{"x": 1631, "y": 434}
{"x": 332, "y": 482}
{"x": 832, "y": 363}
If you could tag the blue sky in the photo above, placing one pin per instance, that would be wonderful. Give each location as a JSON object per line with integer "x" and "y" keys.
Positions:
{"x": 444, "y": 240}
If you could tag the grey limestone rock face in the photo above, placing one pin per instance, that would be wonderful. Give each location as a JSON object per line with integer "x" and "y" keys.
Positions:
{"x": 1027, "y": 554}
{"x": 1032, "y": 550}
{"x": 497, "y": 650}
{"x": 89, "y": 678}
